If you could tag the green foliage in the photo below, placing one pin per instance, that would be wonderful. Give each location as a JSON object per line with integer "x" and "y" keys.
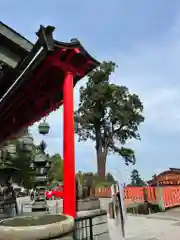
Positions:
{"x": 143, "y": 208}
{"x": 94, "y": 179}
{"x": 109, "y": 115}
{"x": 103, "y": 184}
{"x": 80, "y": 177}
{"x": 109, "y": 178}
{"x": 56, "y": 170}
{"x": 21, "y": 160}
{"x": 136, "y": 179}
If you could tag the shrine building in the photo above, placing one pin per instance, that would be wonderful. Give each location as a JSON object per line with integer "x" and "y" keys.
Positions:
{"x": 166, "y": 178}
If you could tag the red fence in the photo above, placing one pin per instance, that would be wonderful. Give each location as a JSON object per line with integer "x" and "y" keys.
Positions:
{"x": 166, "y": 196}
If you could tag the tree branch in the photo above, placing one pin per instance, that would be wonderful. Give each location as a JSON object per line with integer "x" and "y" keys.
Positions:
{"x": 127, "y": 153}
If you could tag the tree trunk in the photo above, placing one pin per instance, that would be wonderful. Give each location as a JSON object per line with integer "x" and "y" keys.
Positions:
{"x": 101, "y": 155}
{"x": 101, "y": 165}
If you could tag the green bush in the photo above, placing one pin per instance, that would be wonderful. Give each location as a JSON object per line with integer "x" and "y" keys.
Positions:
{"x": 144, "y": 208}
{"x": 103, "y": 184}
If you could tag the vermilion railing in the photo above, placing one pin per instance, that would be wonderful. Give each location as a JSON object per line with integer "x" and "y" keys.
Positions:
{"x": 133, "y": 195}
{"x": 151, "y": 194}
{"x": 168, "y": 196}
{"x": 103, "y": 192}
{"x": 171, "y": 196}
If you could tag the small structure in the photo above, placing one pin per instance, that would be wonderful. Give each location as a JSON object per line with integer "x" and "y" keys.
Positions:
{"x": 166, "y": 178}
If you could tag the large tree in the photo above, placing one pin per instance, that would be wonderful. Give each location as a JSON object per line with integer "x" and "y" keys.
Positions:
{"x": 109, "y": 115}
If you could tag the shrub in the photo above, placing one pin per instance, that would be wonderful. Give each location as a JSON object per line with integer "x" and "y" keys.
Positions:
{"x": 143, "y": 208}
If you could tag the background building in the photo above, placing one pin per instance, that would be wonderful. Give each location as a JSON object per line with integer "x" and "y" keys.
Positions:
{"x": 169, "y": 177}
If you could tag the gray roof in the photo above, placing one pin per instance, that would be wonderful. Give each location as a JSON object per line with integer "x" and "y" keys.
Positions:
{"x": 15, "y": 37}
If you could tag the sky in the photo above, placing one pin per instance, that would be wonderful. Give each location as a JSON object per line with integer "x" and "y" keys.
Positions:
{"x": 143, "y": 38}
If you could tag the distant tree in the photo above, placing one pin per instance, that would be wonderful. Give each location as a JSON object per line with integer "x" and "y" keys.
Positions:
{"x": 109, "y": 115}
{"x": 93, "y": 179}
{"x": 90, "y": 178}
{"x": 136, "y": 179}
{"x": 56, "y": 170}
{"x": 109, "y": 178}
{"x": 80, "y": 177}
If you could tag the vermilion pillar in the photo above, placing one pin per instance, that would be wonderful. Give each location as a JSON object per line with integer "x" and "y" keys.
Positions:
{"x": 69, "y": 203}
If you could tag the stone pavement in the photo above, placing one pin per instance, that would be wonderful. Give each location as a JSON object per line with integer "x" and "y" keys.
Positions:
{"x": 142, "y": 228}
{"x": 159, "y": 226}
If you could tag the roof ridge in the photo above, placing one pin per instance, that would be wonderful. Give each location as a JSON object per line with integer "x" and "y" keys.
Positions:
{"x": 174, "y": 169}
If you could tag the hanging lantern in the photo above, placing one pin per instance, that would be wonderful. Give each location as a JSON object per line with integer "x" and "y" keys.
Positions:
{"x": 44, "y": 128}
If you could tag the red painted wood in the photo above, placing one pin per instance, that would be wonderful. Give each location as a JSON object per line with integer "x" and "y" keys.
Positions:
{"x": 27, "y": 104}
{"x": 69, "y": 204}
{"x": 46, "y": 89}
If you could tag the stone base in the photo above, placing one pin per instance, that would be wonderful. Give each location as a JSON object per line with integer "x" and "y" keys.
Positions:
{"x": 3, "y": 216}
{"x": 41, "y": 227}
{"x": 88, "y": 204}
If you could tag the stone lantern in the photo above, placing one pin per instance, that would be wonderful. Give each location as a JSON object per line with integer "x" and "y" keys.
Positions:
{"x": 26, "y": 142}
{"x": 8, "y": 150}
{"x": 11, "y": 148}
{"x": 32, "y": 165}
{"x": 41, "y": 165}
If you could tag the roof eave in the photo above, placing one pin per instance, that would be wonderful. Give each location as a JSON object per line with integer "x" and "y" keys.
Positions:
{"x": 75, "y": 43}
{"x": 15, "y": 37}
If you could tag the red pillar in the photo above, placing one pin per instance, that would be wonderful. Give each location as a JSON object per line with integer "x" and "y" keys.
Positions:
{"x": 69, "y": 203}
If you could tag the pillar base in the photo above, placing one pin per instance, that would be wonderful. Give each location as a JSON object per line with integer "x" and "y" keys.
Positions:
{"x": 87, "y": 204}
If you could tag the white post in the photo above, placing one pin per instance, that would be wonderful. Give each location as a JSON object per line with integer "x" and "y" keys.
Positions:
{"x": 116, "y": 216}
